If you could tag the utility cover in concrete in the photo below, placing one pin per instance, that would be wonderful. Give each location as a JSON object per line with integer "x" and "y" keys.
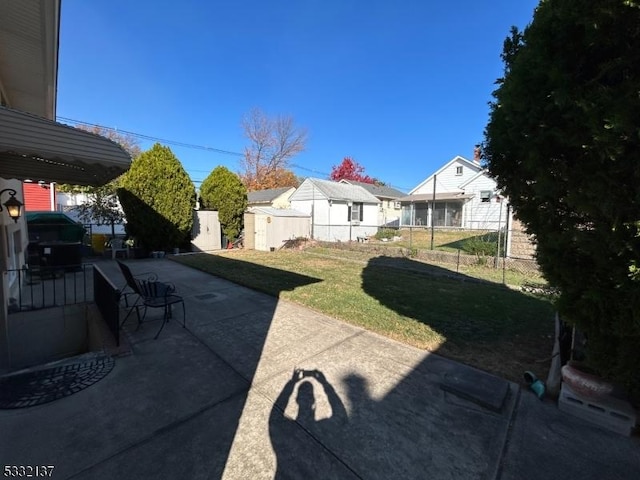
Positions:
{"x": 481, "y": 388}
{"x": 205, "y": 296}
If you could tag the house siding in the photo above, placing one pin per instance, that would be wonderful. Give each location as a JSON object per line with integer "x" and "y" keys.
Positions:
{"x": 331, "y": 223}
{"x": 320, "y": 213}
{"x": 387, "y": 196}
{"x": 37, "y": 197}
{"x": 475, "y": 214}
{"x": 388, "y": 212}
{"x": 307, "y": 191}
{"x": 481, "y": 215}
{"x": 447, "y": 180}
{"x": 276, "y": 198}
{"x": 64, "y": 199}
{"x": 282, "y": 201}
{"x": 329, "y": 217}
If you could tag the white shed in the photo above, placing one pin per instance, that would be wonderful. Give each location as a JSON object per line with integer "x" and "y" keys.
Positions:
{"x": 271, "y": 227}
{"x": 206, "y": 234}
{"x": 339, "y": 212}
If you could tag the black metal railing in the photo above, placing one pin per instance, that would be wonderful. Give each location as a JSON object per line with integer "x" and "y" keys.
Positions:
{"x": 107, "y": 299}
{"x": 45, "y": 287}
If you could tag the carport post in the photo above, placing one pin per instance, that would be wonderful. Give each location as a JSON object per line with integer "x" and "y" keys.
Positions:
{"x": 433, "y": 209}
{"x": 5, "y": 360}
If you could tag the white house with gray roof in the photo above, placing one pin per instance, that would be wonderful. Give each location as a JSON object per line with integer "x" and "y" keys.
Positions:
{"x": 339, "y": 212}
{"x": 461, "y": 194}
{"x": 390, "y": 208}
{"x": 272, "y": 197}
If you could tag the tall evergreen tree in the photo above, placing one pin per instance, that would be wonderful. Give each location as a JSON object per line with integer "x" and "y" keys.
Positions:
{"x": 223, "y": 191}
{"x": 563, "y": 142}
{"x": 158, "y": 199}
{"x": 101, "y": 203}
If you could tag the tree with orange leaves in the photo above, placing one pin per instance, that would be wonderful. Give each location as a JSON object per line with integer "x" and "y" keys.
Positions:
{"x": 273, "y": 142}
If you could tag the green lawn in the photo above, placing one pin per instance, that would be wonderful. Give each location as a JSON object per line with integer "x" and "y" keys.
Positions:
{"x": 480, "y": 323}
{"x": 446, "y": 240}
{"x": 486, "y": 271}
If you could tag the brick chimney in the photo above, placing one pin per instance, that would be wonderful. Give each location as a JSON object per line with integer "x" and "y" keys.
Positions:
{"x": 476, "y": 154}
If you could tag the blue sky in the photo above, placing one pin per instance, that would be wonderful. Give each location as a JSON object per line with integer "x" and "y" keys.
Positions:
{"x": 400, "y": 86}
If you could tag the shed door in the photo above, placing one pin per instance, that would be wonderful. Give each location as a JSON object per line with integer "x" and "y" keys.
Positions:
{"x": 261, "y": 232}
{"x": 249, "y": 231}
{"x": 206, "y": 231}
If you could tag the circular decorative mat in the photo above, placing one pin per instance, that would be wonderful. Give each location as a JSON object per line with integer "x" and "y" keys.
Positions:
{"x": 42, "y": 386}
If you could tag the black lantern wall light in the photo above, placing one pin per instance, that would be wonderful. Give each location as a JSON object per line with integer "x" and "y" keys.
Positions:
{"x": 13, "y": 205}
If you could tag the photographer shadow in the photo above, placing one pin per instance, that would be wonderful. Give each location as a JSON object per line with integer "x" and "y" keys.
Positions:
{"x": 301, "y": 391}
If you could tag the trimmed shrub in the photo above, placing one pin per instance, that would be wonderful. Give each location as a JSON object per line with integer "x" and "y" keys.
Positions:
{"x": 563, "y": 143}
{"x": 223, "y": 191}
{"x": 158, "y": 199}
{"x": 480, "y": 246}
{"x": 387, "y": 233}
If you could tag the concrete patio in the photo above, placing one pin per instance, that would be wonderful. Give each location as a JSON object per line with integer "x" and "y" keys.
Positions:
{"x": 218, "y": 400}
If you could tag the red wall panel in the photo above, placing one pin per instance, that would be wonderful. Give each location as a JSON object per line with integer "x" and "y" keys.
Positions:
{"x": 38, "y": 197}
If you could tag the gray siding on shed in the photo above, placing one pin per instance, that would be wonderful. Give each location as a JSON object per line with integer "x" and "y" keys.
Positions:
{"x": 273, "y": 227}
{"x": 206, "y": 234}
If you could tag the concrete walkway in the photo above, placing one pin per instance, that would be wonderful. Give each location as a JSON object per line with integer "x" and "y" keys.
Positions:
{"x": 223, "y": 399}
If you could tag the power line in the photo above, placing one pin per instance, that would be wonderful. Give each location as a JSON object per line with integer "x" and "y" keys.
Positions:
{"x": 156, "y": 139}
{"x": 192, "y": 146}
{"x": 176, "y": 143}
{"x": 293, "y": 165}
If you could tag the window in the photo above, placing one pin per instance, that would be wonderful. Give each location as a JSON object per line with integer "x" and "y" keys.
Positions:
{"x": 355, "y": 212}
{"x": 447, "y": 214}
{"x": 458, "y": 170}
{"x": 397, "y": 205}
{"x": 485, "y": 196}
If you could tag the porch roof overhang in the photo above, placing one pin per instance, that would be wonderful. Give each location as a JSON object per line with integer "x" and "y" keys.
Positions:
{"x": 29, "y": 39}
{"x": 428, "y": 197}
{"x": 35, "y": 148}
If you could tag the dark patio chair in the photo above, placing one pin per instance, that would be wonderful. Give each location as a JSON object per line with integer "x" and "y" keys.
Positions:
{"x": 151, "y": 294}
{"x": 126, "y": 291}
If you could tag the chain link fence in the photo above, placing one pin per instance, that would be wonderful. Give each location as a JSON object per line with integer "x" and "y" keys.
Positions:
{"x": 506, "y": 256}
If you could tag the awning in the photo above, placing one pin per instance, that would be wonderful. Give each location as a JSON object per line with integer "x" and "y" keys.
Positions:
{"x": 34, "y": 148}
{"x": 29, "y": 40}
{"x": 427, "y": 197}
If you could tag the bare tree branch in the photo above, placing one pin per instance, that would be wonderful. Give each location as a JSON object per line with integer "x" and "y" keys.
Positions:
{"x": 102, "y": 205}
{"x": 125, "y": 140}
{"x": 273, "y": 142}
